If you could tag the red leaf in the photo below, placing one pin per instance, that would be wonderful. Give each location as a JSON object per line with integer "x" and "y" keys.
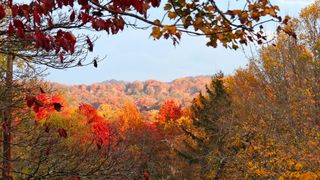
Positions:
{"x": 36, "y": 18}
{"x": 95, "y": 63}
{"x": 97, "y": 13}
{"x": 166, "y": 35}
{"x": 62, "y": 132}
{"x": 20, "y": 33}
{"x": 10, "y": 3}
{"x": 25, "y": 10}
{"x": 38, "y": 38}
{"x": 36, "y": 108}
{"x": 84, "y": 17}
{"x": 138, "y": 6}
{"x": 61, "y": 57}
{"x": 30, "y": 100}
{"x": 98, "y": 24}
{"x": 14, "y": 10}
{"x": 38, "y": 8}
{"x": 90, "y": 44}
{"x": 57, "y": 106}
{"x": 71, "y": 37}
{"x": 83, "y": 2}
{"x": 2, "y": 12}
{"x": 50, "y": 22}
{"x": 72, "y": 16}
{"x": 10, "y": 30}
{"x": 98, "y": 145}
{"x": 59, "y": 2}
{"x": 146, "y": 175}
{"x": 155, "y": 3}
{"x": 120, "y": 23}
{"x": 18, "y": 24}
{"x": 47, "y": 129}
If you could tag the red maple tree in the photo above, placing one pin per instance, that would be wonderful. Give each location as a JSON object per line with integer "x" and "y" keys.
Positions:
{"x": 169, "y": 111}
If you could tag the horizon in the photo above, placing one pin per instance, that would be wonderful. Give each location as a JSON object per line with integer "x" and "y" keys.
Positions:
{"x": 123, "y": 81}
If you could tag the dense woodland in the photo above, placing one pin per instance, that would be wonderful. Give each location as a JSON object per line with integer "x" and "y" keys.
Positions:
{"x": 262, "y": 122}
{"x": 147, "y": 95}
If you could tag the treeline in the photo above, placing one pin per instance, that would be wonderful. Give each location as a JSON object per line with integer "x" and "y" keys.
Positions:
{"x": 147, "y": 95}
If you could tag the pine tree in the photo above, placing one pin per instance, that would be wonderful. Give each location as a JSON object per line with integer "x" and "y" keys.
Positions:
{"x": 204, "y": 141}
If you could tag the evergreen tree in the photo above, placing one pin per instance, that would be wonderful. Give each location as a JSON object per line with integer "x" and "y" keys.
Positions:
{"x": 204, "y": 141}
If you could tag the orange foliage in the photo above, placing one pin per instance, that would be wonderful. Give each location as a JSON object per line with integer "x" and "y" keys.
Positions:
{"x": 98, "y": 125}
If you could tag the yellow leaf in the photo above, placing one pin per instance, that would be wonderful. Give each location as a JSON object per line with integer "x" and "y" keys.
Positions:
{"x": 298, "y": 166}
{"x": 220, "y": 36}
{"x": 197, "y": 23}
{"x": 167, "y": 7}
{"x": 172, "y": 15}
{"x": 255, "y": 15}
{"x": 211, "y": 8}
{"x": 235, "y": 12}
{"x": 272, "y": 12}
{"x": 171, "y": 29}
{"x": 156, "y": 33}
{"x": 157, "y": 22}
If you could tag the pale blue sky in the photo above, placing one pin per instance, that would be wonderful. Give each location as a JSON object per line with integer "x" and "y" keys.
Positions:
{"x": 132, "y": 55}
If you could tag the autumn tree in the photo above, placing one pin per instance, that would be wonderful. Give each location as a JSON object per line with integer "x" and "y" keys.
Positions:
{"x": 169, "y": 111}
{"x": 276, "y": 101}
{"x": 12, "y": 95}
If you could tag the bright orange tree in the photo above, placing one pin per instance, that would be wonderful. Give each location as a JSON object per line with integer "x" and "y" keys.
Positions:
{"x": 98, "y": 125}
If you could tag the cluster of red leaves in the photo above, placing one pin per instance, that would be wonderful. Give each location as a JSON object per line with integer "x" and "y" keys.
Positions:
{"x": 27, "y": 23}
{"x": 169, "y": 111}
{"x": 34, "y": 21}
{"x": 43, "y": 105}
{"x": 98, "y": 125}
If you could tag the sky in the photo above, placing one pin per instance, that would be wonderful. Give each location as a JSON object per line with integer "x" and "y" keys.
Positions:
{"x": 132, "y": 55}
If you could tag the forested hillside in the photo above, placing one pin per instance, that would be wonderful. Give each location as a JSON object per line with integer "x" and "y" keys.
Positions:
{"x": 147, "y": 95}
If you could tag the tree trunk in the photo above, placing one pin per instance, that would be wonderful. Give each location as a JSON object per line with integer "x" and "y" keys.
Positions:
{"x": 220, "y": 170}
{"x": 6, "y": 171}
